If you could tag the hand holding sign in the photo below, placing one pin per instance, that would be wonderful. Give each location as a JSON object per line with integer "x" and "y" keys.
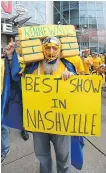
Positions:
{"x": 67, "y": 74}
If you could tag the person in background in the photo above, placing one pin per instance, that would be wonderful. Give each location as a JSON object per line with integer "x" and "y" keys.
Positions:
{"x": 5, "y": 147}
{"x": 86, "y": 59}
{"x": 24, "y": 133}
{"x": 96, "y": 61}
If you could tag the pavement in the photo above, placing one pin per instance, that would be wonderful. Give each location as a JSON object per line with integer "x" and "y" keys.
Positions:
{"x": 22, "y": 158}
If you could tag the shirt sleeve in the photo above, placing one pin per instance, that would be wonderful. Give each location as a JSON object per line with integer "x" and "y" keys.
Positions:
{"x": 80, "y": 66}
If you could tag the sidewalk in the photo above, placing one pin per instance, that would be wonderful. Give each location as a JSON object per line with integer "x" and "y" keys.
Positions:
{"x": 22, "y": 158}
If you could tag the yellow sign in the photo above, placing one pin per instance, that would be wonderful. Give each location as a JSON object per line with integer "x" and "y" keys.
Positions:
{"x": 52, "y": 105}
{"x": 45, "y": 31}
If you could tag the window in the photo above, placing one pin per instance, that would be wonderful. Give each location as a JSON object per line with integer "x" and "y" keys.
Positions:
{"x": 84, "y": 21}
{"x": 56, "y": 6}
{"x": 91, "y": 5}
{"x": 83, "y": 13}
{"x": 83, "y": 5}
{"x": 100, "y": 23}
{"x": 41, "y": 18}
{"x": 99, "y": 6}
{"x": 91, "y": 13}
{"x": 42, "y": 2}
{"x": 25, "y": 3}
{"x": 74, "y": 21}
{"x": 42, "y": 8}
{"x": 92, "y": 23}
{"x": 101, "y": 26}
{"x": 56, "y": 18}
{"x": 99, "y": 13}
{"x": 64, "y": 4}
{"x": 100, "y": 20}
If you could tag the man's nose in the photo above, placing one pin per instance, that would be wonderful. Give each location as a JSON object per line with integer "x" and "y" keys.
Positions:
{"x": 52, "y": 50}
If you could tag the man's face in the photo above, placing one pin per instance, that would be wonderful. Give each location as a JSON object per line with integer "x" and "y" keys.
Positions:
{"x": 51, "y": 52}
{"x": 86, "y": 53}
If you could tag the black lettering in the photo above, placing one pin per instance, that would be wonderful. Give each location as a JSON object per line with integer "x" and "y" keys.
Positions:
{"x": 40, "y": 120}
{"x": 74, "y": 124}
{"x": 94, "y": 88}
{"x": 85, "y": 87}
{"x": 54, "y": 106}
{"x": 58, "y": 122}
{"x": 57, "y": 83}
{"x": 28, "y": 82}
{"x": 50, "y": 88}
{"x": 63, "y": 104}
{"x": 73, "y": 84}
{"x": 35, "y": 84}
{"x": 80, "y": 125}
{"x": 85, "y": 125}
{"x": 67, "y": 124}
{"x": 93, "y": 124}
{"x": 45, "y": 115}
{"x": 79, "y": 85}
{"x": 30, "y": 117}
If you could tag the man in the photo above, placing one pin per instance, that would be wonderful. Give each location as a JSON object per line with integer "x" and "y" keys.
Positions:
{"x": 96, "y": 61}
{"x": 51, "y": 65}
{"x": 86, "y": 61}
{"x": 5, "y": 148}
{"x": 24, "y": 133}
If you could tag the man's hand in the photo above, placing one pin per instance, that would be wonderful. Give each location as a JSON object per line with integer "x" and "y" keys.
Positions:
{"x": 10, "y": 49}
{"x": 67, "y": 74}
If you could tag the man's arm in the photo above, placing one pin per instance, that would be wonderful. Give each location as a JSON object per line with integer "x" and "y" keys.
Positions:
{"x": 17, "y": 63}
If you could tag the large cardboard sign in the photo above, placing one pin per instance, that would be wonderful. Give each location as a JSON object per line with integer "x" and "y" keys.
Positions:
{"x": 31, "y": 38}
{"x": 52, "y": 105}
{"x": 45, "y": 31}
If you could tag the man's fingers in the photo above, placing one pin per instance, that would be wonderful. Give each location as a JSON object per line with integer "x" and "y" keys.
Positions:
{"x": 66, "y": 75}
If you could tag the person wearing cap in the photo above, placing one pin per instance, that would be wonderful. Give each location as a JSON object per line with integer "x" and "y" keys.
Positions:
{"x": 96, "y": 61}
{"x": 86, "y": 59}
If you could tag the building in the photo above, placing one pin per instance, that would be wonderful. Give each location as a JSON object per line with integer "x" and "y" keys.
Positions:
{"x": 89, "y": 18}
{"x": 15, "y": 14}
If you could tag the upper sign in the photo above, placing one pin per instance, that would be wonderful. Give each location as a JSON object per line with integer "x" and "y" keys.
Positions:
{"x": 45, "y": 31}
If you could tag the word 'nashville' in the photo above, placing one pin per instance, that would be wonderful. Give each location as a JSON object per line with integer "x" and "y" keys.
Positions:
{"x": 56, "y": 121}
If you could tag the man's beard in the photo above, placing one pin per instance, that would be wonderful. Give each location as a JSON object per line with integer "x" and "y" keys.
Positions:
{"x": 50, "y": 68}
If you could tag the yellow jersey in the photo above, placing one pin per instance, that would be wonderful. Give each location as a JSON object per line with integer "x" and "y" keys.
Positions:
{"x": 87, "y": 63}
{"x": 77, "y": 62}
{"x": 96, "y": 61}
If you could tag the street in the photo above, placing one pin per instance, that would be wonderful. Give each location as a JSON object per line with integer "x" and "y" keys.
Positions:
{"x": 22, "y": 158}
